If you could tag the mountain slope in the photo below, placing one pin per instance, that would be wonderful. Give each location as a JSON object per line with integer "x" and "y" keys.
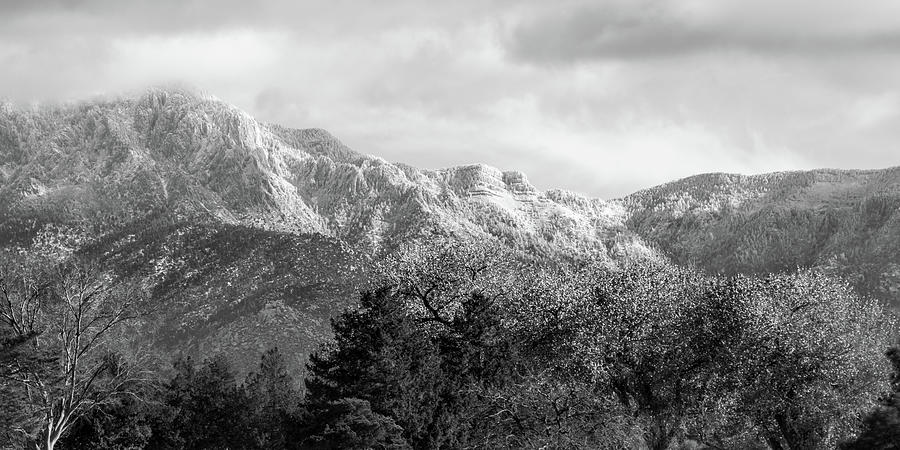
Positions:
{"x": 249, "y": 235}
{"x": 844, "y": 220}
{"x": 193, "y": 156}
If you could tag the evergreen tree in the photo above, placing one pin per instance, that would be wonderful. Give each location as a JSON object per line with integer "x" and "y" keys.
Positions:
{"x": 124, "y": 425}
{"x": 379, "y": 356}
{"x": 427, "y": 373}
{"x": 207, "y": 407}
{"x": 350, "y": 424}
{"x": 274, "y": 401}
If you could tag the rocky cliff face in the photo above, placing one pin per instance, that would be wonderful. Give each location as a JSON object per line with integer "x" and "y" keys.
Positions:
{"x": 197, "y": 157}
{"x": 252, "y": 234}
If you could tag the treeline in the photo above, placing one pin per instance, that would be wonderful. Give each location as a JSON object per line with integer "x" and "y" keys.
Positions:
{"x": 202, "y": 406}
{"x": 459, "y": 346}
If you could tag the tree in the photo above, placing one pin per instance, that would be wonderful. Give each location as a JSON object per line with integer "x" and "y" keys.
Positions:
{"x": 274, "y": 400}
{"x": 454, "y": 296}
{"x": 23, "y": 289}
{"x": 803, "y": 358}
{"x": 704, "y": 358}
{"x": 550, "y": 397}
{"x": 541, "y": 407}
{"x": 460, "y": 348}
{"x": 881, "y": 427}
{"x": 476, "y": 334}
{"x": 378, "y": 356}
{"x": 351, "y": 424}
{"x": 635, "y": 343}
{"x": 432, "y": 277}
{"x": 64, "y": 320}
{"x": 201, "y": 407}
{"x": 205, "y": 407}
{"x": 424, "y": 347}
{"x": 124, "y": 425}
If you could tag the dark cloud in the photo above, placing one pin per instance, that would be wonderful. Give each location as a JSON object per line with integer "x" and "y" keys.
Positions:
{"x": 653, "y": 29}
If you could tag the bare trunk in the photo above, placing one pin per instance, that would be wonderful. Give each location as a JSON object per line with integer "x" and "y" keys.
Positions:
{"x": 51, "y": 434}
{"x": 51, "y": 440}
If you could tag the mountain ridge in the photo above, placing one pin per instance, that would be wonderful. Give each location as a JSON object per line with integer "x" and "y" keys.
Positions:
{"x": 225, "y": 163}
{"x": 847, "y": 221}
{"x": 169, "y": 185}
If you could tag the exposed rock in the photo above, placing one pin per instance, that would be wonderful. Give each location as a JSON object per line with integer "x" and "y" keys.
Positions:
{"x": 250, "y": 234}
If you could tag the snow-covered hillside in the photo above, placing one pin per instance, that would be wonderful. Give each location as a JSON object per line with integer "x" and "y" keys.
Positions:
{"x": 251, "y": 234}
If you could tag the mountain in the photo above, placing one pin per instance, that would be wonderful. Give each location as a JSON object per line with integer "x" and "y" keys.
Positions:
{"x": 248, "y": 234}
{"x": 847, "y": 221}
{"x": 102, "y": 165}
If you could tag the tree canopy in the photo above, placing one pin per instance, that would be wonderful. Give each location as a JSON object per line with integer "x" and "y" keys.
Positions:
{"x": 457, "y": 346}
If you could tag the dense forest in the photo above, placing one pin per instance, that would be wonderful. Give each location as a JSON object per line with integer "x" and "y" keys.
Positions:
{"x": 457, "y": 346}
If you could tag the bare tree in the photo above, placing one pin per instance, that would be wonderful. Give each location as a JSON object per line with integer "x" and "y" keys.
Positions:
{"x": 62, "y": 326}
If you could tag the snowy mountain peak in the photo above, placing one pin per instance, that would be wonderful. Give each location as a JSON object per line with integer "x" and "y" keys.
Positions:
{"x": 205, "y": 203}
{"x": 194, "y": 155}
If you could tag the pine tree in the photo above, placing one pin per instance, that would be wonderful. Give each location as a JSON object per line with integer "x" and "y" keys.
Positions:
{"x": 350, "y": 424}
{"x": 274, "y": 400}
{"x": 379, "y": 356}
{"x": 428, "y": 373}
{"x": 208, "y": 408}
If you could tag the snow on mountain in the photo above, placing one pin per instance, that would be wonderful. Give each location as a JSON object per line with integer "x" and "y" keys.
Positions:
{"x": 847, "y": 221}
{"x": 252, "y": 234}
{"x": 196, "y": 156}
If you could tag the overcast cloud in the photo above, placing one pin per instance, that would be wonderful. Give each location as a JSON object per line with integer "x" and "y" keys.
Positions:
{"x": 600, "y": 97}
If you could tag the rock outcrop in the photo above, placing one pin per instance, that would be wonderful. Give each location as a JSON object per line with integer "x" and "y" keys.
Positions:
{"x": 252, "y": 234}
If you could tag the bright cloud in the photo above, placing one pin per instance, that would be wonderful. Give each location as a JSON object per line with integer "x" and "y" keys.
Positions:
{"x": 599, "y": 97}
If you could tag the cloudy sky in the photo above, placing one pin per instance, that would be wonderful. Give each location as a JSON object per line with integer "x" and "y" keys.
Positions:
{"x": 600, "y": 97}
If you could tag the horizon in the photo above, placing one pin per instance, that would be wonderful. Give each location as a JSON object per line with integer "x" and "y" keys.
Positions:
{"x": 407, "y": 224}
{"x": 601, "y": 98}
{"x": 192, "y": 90}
